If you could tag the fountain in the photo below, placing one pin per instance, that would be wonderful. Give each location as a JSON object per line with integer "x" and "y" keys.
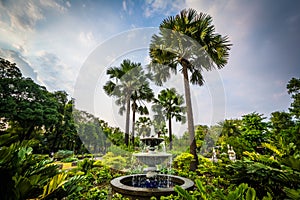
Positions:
{"x": 151, "y": 183}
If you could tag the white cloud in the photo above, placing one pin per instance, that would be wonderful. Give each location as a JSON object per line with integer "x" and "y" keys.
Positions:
{"x": 53, "y": 72}
{"x": 25, "y": 14}
{"x": 87, "y": 39}
{"x": 164, "y": 7}
{"x": 68, "y": 4}
{"x": 124, "y": 5}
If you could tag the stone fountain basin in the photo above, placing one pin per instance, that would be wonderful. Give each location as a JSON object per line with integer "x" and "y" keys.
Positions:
{"x": 122, "y": 185}
{"x": 152, "y": 158}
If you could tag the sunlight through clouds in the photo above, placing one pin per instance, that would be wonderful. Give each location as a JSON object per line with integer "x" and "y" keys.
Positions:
{"x": 51, "y": 41}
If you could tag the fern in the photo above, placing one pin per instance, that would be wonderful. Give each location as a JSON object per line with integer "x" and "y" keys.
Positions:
{"x": 54, "y": 184}
{"x": 183, "y": 193}
{"x": 291, "y": 193}
{"x": 272, "y": 148}
{"x": 251, "y": 194}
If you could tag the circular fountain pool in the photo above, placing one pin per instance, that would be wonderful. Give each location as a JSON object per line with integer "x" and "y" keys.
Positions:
{"x": 140, "y": 187}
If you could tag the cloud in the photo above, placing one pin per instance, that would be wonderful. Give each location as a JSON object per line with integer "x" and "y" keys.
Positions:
{"x": 22, "y": 63}
{"x": 165, "y": 7}
{"x": 68, "y": 4}
{"x": 124, "y": 5}
{"x": 258, "y": 58}
{"x": 52, "y": 72}
{"x": 25, "y": 14}
{"x": 87, "y": 39}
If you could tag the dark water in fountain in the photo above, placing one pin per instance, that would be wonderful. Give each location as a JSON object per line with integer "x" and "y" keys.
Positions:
{"x": 154, "y": 182}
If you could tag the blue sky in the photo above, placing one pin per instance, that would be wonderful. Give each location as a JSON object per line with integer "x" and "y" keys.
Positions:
{"x": 67, "y": 45}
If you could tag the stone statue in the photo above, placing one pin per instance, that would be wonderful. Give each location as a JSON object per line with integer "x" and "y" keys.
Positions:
{"x": 231, "y": 153}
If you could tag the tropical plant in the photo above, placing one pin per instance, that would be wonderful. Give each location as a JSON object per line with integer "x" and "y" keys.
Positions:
{"x": 143, "y": 126}
{"x": 25, "y": 175}
{"x": 254, "y": 131}
{"x": 265, "y": 174}
{"x": 294, "y": 90}
{"x": 131, "y": 85}
{"x": 144, "y": 93}
{"x": 188, "y": 40}
{"x": 243, "y": 192}
{"x": 169, "y": 102}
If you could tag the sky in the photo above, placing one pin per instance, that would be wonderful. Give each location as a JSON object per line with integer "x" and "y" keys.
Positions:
{"x": 68, "y": 45}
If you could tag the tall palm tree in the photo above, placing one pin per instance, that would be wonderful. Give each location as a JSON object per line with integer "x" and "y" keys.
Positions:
{"x": 188, "y": 40}
{"x": 170, "y": 103}
{"x": 129, "y": 84}
{"x": 138, "y": 98}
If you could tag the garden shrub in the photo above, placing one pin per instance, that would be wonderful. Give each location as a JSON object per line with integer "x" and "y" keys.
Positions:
{"x": 96, "y": 194}
{"x": 85, "y": 165}
{"x": 98, "y": 163}
{"x": 183, "y": 161}
{"x": 116, "y": 162}
{"x": 69, "y": 159}
{"x": 116, "y": 150}
{"x": 63, "y": 154}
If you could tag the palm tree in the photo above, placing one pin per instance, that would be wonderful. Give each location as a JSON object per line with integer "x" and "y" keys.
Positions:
{"x": 188, "y": 40}
{"x": 130, "y": 85}
{"x": 144, "y": 93}
{"x": 170, "y": 103}
{"x": 144, "y": 126}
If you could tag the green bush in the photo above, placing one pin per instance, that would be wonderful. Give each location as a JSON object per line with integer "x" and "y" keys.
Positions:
{"x": 85, "y": 165}
{"x": 96, "y": 194}
{"x": 183, "y": 161}
{"x": 118, "y": 151}
{"x": 63, "y": 154}
{"x": 98, "y": 163}
{"x": 116, "y": 162}
{"x": 69, "y": 159}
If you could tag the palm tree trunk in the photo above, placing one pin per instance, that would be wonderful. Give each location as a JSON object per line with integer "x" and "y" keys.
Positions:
{"x": 127, "y": 120}
{"x": 170, "y": 134}
{"x": 133, "y": 123}
{"x": 190, "y": 118}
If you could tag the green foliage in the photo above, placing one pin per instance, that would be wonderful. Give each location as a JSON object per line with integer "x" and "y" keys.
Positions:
{"x": 85, "y": 165}
{"x": 63, "y": 154}
{"x": 294, "y": 90}
{"x": 69, "y": 159}
{"x": 113, "y": 161}
{"x": 22, "y": 173}
{"x": 25, "y": 175}
{"x": 254, "y": 130}
{"x": 242, "y": 192}
{"x": 265, "y": 174}
{"x": 182, "y": 161}
{"x": 96, "y": 194}
{"x": 184, "y": 44}
{"x": 32, "y": 112}
{"x": 168, "y": 105}
{"x": 54, "y": 183}
{"x": 130, "y": 85}
{"x": 143, "y": 126}
{"x": 292, "y": 193}
{"x": 118, "y": 196}
{"x": 95, "y": 184}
